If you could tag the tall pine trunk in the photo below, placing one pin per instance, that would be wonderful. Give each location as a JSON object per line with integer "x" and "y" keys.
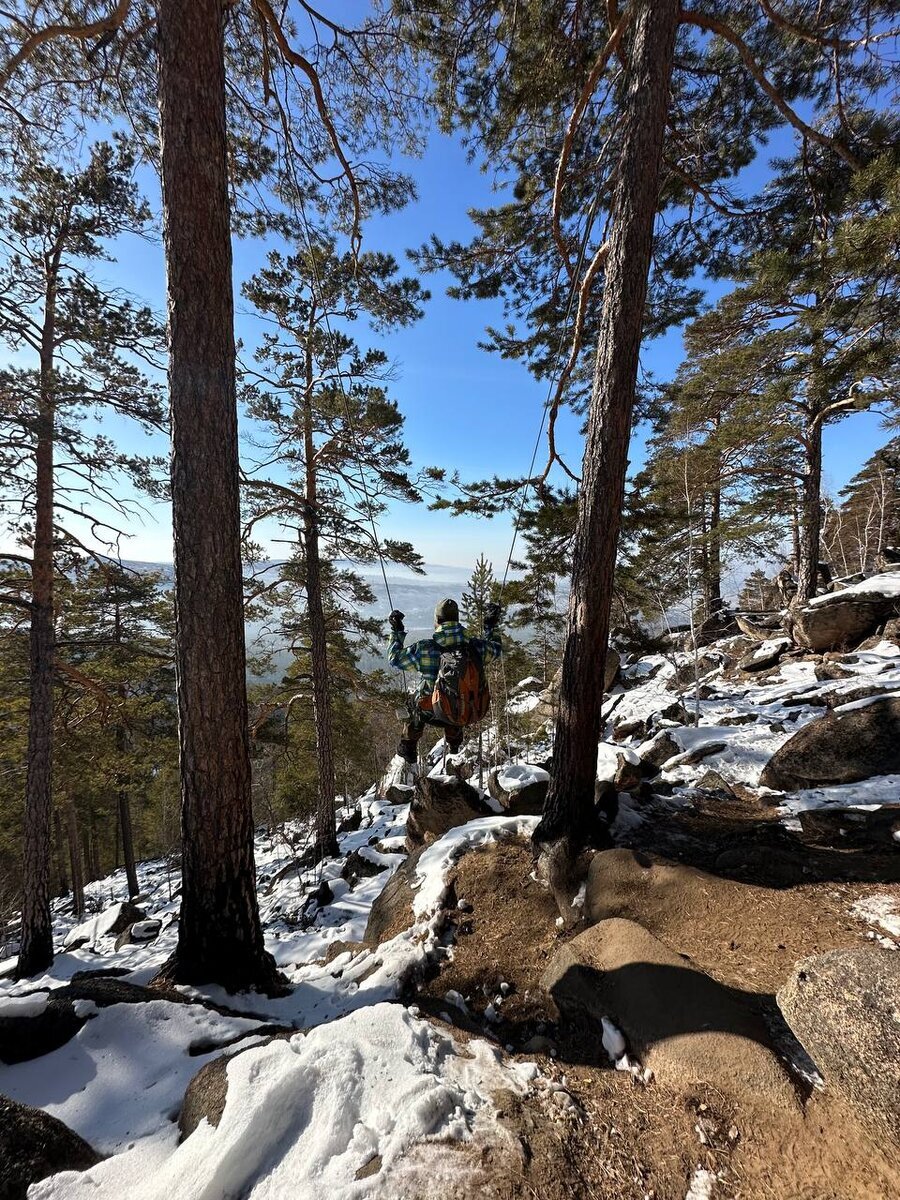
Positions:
{"x": 714, "y": 544}
{"x": 36, "y": 953}
{"x": 219, "y": 935}
{"x": 810, "y": 523}
{"x": 569, "y": 808}
{"x": 326, "y": 834}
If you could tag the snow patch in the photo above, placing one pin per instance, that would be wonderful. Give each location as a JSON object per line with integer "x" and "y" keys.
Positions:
{"x": 886, "y": 585}
{"x": 879, "y": 910}
{"x": 31, "y": 1005}
{"x": 517, "y": 776}
{"x": 303, "y": 1118}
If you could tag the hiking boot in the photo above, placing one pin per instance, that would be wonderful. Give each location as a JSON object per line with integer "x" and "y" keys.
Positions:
{"x": 408, "y": 750}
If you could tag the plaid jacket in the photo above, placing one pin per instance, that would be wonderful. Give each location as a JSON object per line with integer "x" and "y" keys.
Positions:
{"x": 425, "y": 656}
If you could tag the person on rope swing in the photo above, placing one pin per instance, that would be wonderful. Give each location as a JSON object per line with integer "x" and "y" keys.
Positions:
{"x": 453, "y": 691}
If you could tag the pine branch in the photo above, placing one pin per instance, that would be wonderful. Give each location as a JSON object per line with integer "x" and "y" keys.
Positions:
{"x": 80, "y": 33}
{"x": 290, "y": 55}
{"x": 714, "y": 25}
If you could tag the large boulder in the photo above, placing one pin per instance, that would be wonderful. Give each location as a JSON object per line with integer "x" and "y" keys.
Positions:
{"x": 392, "y": 911}
{"x": 112, "y": 921}
{"x": 545, "y": 710}
{"x": 861, "y": 828}
{"x": 687, "y": 1028}
{"x": 439, "y": 804}
{"x": 520, "y": 788}
{"x": 34, "y": 1145}
{"x": 843, "y": 619}
{"x": 52, "y": 1020}
{"x": 767, "y": 654}
{"x": 844, "y": 1006}
{"x": 759, "y": 626}
{"x": 843, "y": 746}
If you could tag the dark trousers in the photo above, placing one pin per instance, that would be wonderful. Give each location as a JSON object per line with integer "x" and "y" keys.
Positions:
{"x": 420, "y": 716}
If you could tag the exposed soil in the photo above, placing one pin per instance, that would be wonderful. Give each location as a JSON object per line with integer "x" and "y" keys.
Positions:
{"x": 618, "y": 1137}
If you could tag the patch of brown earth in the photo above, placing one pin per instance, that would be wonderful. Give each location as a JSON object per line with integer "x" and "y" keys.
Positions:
{"x": 617, "y": 1138}
{"x": 744, "y": 936}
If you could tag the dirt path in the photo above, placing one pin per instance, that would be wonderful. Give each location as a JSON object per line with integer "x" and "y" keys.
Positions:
{"x": 617, "y": 1137}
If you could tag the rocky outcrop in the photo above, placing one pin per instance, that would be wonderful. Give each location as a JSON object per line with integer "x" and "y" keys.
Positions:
{"x": 34, "y": 1145}
{"x": 843, "y": 619}
{"x": 520, "y": 790}
{"x": 839, "y": 747}
{"x": 392, "y": 911}
{"x": 139, "y": 932}
{"x": 441, "y": 804}
{"x": 759, "y": 626}
{"x": 546, "y": 709}
{"x": 843, "y": 1006}
{"x": 866, "y": 829}
{"x": 683, "y": 1025}
{"x": 766, "y": 655}
{"x": 113, "y": 921}
{"x": 836, "y": 624}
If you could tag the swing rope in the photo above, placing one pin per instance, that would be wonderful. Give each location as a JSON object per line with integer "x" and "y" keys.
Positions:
{"x": 368, "y": 504}
{"x": 364, "y": 486}
{"x": 573, "y": 291}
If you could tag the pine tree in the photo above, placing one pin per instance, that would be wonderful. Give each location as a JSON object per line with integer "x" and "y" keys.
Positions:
{"x": 220, "y": 938}
{"x": 812, "y": 331}
{"x": 77, "y": 341}
{"x": 324, "y": 415}
{"x": 483, "y": 590}
{"x": 867, "y": 521}
{"x": 758, "y": 593}
{"x": 568, "y": 811}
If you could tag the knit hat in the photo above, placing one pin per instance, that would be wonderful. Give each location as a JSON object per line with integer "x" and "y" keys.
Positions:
{"x": 446, "y": 611}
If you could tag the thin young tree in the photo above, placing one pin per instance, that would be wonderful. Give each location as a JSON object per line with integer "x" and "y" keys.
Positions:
{"x": 77, "y": 350}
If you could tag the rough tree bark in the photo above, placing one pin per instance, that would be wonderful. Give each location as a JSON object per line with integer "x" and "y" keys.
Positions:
{"x": 713, "y": 580}
{"x": 123, "y": 800}
{"x": 810, "y": 522}
{"x": 326, "y": 831}
{"x": 36, "y": 953}
{"x": 219, "y": 935}
{"x": 569, "y": 809}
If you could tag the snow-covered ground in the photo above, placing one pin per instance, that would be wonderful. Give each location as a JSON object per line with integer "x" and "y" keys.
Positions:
{"x": 308, "y": 1114}
{"x": 748, "y": 719}
{"x": 303, "y": 1113}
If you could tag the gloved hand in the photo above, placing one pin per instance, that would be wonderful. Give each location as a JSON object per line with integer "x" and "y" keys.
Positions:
{"x": 395, "y": 620}
{"x": 492, "y": 615}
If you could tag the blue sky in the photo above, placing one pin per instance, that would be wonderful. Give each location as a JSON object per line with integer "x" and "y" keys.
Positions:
{"x": 464, "y": 408}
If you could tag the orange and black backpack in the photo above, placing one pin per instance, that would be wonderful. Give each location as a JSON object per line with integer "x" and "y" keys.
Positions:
{"x": 461, "y": 694}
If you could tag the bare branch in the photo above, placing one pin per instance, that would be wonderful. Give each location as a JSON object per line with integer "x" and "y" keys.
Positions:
{"x": 714, "y": 25}
{"x": 590, "y": 86}
{"x": 584, "y": 293}
{"x": 16, "y": 601}
{"x": 50, "y": 33}
{"x": 296, "y": 59}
